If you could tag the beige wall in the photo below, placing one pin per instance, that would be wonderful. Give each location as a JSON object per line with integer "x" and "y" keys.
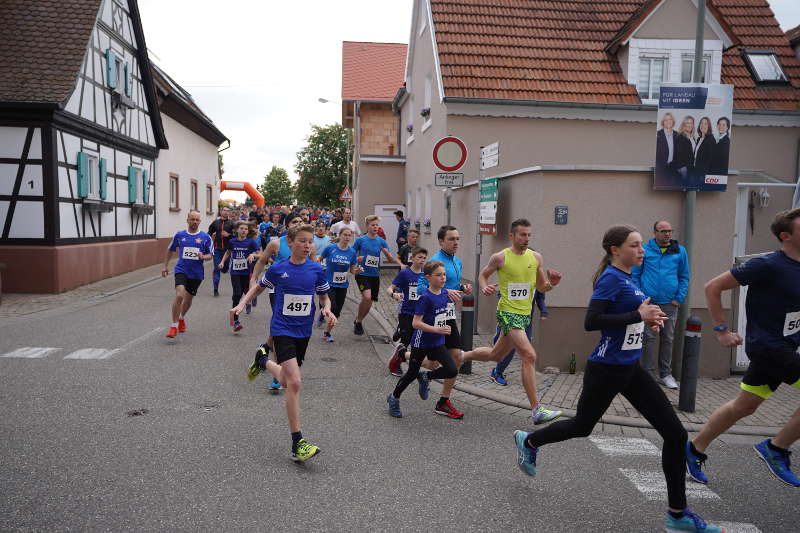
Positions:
{"x": 675, "y": 19}
{"x": 378, "y": 184}
{"x": 760, "y": 239}
{"x": 378, "y": 125}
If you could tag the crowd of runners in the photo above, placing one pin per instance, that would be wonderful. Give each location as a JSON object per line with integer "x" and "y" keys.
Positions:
{"x": 304, "y": 260}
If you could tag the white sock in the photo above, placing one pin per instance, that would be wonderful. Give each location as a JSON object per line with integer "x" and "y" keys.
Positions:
{"x": 181, "y": 317}
{"x": 174, "y": 324}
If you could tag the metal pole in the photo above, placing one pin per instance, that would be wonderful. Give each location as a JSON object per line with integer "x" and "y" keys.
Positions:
{"x": 478, "y": 246}
{"x": 691, "y": 364}
{"x": 467, "y": 321}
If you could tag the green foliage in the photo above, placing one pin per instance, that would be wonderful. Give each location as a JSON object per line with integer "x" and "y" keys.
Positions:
{"x": 323, "y": 166}
{"x": 277, "y": 188}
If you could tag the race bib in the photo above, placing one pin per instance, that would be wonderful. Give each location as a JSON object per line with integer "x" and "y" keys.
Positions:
{"x": 440, "y": 320}
{"x": 191, "y": 252}
{"x": 340, "y": 277}
{"x": 634, "y": 335}
{"x": 274, "y": 238}
{"x": 296, "y": 304}
{"x": 451, "y": 311}
{"x": 412, "y": 293}
{"x": 519, "y": 291}
{"x": 372, "y": 261}
{"x": 239, "y": 264}
{"x": 792, "y": 324}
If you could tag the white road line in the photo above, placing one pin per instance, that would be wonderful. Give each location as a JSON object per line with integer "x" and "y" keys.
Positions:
{"x": 29, "y": 352}
{"x": 91, "y": 353}
{"x": 619, "y": 446}
{"x": 130, "y": 344}
{"x": 735, "y": 527}
{"x": 654, "y": 487}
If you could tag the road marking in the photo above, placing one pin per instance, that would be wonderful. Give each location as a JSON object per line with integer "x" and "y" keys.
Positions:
{"x": 618, "y": 446}
{"x": 29, "y": 352}
{"x": 654, "y": 487}
{"x": 137, "y": 340}
{"x": 91, "y": 353}
{"x": 735, "y": 527}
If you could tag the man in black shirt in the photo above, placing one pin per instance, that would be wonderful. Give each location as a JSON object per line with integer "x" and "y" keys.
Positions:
{"x": 220, "y": 231}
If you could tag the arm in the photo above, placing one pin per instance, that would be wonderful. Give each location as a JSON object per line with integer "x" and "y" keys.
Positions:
{"x": 254, "y": 291}
{"x": 325, "y": 308}
{"x": 258, "y": 268}
{"x": 545, "y": 280}
{"x": 683, "y": 277}
{"x": 495, "y": 262}
{"x": 713, "y": 290}
{"x": 418, "y": 324}
{"x": 597, "y": 318}
{"x": 390, "y": 290}
{"x": 225, "y": 258}
{"x": 393, "y": 258}
{"x": 167, "y": 258}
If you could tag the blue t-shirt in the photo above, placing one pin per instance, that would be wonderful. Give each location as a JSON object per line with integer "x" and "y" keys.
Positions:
{"x": 190, "y": 246}
{"x": 320, "y": 243}
{"x": 433, "y": 308}
{"x": 407, "y": 281}
{"x": 772, "y": 303}
{"x": 371, "y": 250}
{"x": 240, "y": 250}
{"x": 262, "y": 228}
{"x": 283, "y": 250}
{"x": 620, "y": 345}
{"x": 295, "y": 287}
{"x": 452, "y": 269}
{"x": 337, "y": 264}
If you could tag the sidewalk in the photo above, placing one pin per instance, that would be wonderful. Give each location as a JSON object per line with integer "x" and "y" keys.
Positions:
{"x": 561, "y": 391}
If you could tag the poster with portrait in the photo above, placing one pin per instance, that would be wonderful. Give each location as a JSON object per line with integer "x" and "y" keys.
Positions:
{"x": 693, "y": 133}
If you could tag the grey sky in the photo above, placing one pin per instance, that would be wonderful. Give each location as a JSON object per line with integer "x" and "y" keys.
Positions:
{"x": 257, "y": 68}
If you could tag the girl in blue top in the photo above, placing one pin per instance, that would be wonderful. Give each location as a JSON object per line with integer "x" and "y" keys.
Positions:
{"x": 339, "y": 259}
{"x": 242, "y": 251}
{"x": 620, "y": 310}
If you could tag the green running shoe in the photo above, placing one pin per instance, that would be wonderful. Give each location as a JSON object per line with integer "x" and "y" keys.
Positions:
{"x": 259, "y": 363}
{"x": 304, "y": 451}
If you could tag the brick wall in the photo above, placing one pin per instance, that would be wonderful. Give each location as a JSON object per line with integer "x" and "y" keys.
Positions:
{"x": 378, "y": 133}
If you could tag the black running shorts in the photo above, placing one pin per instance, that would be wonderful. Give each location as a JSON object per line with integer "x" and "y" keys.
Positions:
{"x": 372, "y": 283}
{"x": 406, "y": 329}
{"x": 453, "y": 341}
{"x": 191, "y": 285}
{"x": 768, "y": 369}
{"x": 290, "y": 348}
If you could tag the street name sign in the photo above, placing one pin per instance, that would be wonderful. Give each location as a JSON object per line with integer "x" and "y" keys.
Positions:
{"x": 449, "y": 179}
{"x": 490, "y": 156}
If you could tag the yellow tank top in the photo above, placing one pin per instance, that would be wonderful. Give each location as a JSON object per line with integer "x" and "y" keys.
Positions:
{"x": 517, "y": 282}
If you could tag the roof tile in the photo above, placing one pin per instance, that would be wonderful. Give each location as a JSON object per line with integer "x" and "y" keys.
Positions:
{"x": 372, "y": 71}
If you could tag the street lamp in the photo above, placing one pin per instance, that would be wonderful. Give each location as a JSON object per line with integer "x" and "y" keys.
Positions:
{"x": 349, "y": 162}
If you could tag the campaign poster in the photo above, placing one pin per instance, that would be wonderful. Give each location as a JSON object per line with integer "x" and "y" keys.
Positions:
{"x": 693, "y": 133}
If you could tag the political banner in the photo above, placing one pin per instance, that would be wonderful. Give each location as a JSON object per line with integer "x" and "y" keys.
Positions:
{"x": 693, "y": 137}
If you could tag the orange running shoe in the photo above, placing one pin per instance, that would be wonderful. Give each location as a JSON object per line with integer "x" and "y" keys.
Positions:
{"x": 181, "y": 325}
{"x": 173, "y": 332}
{"x": 449, "y": 411}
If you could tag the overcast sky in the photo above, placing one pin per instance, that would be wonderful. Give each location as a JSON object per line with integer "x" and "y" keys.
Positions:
{"x": 257, "y": 68}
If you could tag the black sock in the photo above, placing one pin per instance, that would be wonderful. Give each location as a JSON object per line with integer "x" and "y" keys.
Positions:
{"x": 775, "y": 448}
{"x": 701, "y": 455}
{"x": 296, "y": 436}
{"x": 675, "y": 515}
{"x": 528, "y": 441}
{"x": 442, "y": 400}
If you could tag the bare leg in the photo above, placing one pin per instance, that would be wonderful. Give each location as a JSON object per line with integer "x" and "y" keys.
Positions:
{"x": 528, "y": 358}
{"x": 364, "y": 305}
{"x": 187, "y": 303}
{"x": 290, "y": 378}
{"x": 484, "y": 353}
{"x": 790, "y": 432}
{"x": 745, "y": 404}
{"x": 177, "y": 304}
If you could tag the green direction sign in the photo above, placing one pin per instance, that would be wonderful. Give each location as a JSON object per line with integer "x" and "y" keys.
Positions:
{"x": 488, "y": 190}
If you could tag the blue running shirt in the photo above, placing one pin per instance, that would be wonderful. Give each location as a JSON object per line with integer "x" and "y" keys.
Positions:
{"x": 337, "y": 264}
{"x": 620, "y": 345}
{"x": 295, "y": 287}
{"x": 190, "y": 246}
{"x": 371, "y": 250}
{"x": 407, "y": 281}
{"x": 283, "y": 250}
{"x": 433, "y": 308}
{"x": 240, "y": 250}
{"x": 452, "y": 269}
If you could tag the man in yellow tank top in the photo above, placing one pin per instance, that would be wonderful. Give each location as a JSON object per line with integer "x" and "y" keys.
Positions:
{"x": 520, "y": 273}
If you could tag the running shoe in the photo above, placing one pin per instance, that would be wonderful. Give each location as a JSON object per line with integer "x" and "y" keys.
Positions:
{"x": 540, "y": 415}
{"x": 327, "y": 336}
{"x": 304, "y": 451}
{"x": 424, "y": 384}
{"x": 447, "y": 409}
{"x": 358, "y": 328}
{"x": 526, "y": 457}
{"x": 690, "y": 522}
{"x": 498, "y": 378}
{"x": 237, "y": 326}
{"x": 259, "y": 363}
{"x": 275, "y": 386}
{"x": 173, "y": 332}
{"x": 396, "y": 334}
{"x": 694, "y": 464}
{"x": 778, "y": 463}
{"x": 247, "y": 309}
{"x": 254, "y": 303}
{"x": 395, "y": 360}
{"x": 394, "y": 406}
{"x": 181, "y": 325}
{"x": 216, "y": 292}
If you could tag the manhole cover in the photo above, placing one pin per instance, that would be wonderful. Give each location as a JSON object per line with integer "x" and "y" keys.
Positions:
{"x": 380, "y": 339}
{"x": 137, "y": 412}
{"x": 328, "y": 359}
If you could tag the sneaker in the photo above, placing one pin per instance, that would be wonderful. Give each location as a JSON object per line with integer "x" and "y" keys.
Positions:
{"x": 259, "y": 363}
{"x": 394, "y": 361}
{"x": 448, "y": 410}
{"x": 526, "y": 457}
{"x": 247, "y": 309}
{"x": 304, "y": 451}
{"x": 690, "y": 522}
{"x": 358, "y": 328}
{"x": 237, "y": 326}
{"x": 396, "y": 334}
{"x": 540, "y": 415}
{"x": 327, "y": 336}
{"x": 694, "y": 464}
{"x": 181, "y": 325}
{"x": 394, "y": 406}
{"x": 173, "y": 332}
{"x": 498, "y": 378}
{"x": 669, "y": 382}
{"x": 424, "y": 384}
{"x": 777, "y": 462}
{"x": 216, "y": 292}
{"x": 275, "y": 386}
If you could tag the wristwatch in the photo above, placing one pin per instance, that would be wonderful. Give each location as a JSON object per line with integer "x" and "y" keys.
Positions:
{"x": 721, "y": 327}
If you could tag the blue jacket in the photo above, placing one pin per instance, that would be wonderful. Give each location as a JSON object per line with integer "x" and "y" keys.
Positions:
{"x": 663, "y": 277}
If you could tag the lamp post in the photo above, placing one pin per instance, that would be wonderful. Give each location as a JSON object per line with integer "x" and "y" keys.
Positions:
{"x": 349, "y": 146}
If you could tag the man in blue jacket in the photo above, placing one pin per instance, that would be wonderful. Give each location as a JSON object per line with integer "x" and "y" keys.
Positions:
{"x": 664, "y": 278}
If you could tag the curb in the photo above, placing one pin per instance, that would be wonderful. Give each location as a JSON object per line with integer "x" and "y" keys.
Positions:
{"x": 128, "y": 287}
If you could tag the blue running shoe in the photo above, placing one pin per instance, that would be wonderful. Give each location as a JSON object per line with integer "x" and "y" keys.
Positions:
{"x": 498, "y": 378}
{"x": 394, "y": 406}
{"x": 777, "y": 462}
{"x": 694, "y": 464}
{"x": 526, "y": 457}
{"x": 275, "y": 386}
{"x": 327, "y": 336}
{"x": 690, "y": 522}
{"x": 424, "y": 385}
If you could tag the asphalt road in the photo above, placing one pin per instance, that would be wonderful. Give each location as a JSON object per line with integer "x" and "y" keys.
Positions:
{"x": 212, "y": 451}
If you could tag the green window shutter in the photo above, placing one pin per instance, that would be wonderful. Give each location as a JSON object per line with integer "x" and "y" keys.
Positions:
{"x": 131, "y": 185}
{"x": 111, "y": 68}
{"x": 145, "y": 188}
{"x": 83, "y": 174}
{"x": 127, "y": 81}
{"x": 103, "y": 179}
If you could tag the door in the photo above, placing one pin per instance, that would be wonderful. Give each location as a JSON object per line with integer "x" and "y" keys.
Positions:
{"x": 389, "y": 223}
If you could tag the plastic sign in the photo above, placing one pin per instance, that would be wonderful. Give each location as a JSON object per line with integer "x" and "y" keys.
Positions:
{"x": 449, "y": 179}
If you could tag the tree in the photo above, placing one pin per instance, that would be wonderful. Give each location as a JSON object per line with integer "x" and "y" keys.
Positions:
{"x": 277, "y": 188}
{"x": 323, "y": 166}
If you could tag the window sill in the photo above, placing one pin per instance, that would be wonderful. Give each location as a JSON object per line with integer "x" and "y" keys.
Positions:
{"x": 142, "y": 209}
{"x": 427, "y": 125}
{"x": 174, "y": 209}
{"x": 208, "y": 212}
{"x": 97, "y": 206}
{"x": 410, "y": 140}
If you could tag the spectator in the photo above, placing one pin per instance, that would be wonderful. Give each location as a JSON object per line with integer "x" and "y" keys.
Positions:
{"x": 402, "y": 229}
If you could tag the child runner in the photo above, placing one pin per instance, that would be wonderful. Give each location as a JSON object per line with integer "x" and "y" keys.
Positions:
{"x": 296, "y": 281}
{"x": 321, "y": 241}
{"x": 339, "y": 259}
{"x": 195, "y": 247}
{"x": 252, "y": 233}
{"x": 405, "y": 251}
{"x": 404, "y": 289}
{"x": 242, "y": 251}
{"x": 619, "y": 308}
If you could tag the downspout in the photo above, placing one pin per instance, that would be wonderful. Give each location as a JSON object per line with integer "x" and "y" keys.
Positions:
{"x": 219, "y": 166}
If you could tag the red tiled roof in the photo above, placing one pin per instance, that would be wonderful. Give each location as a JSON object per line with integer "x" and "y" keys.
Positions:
{"x": 793, "y": 35}
{"x": 372, "y": 71}
{"x": 554, "y": 50}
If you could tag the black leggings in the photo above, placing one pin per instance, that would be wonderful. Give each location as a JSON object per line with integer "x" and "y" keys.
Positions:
{"x": 434, "y": 353}
{"x": 240, "y": 284}
{"x": 337, "y": 295}
{"x": 601, "y": 383}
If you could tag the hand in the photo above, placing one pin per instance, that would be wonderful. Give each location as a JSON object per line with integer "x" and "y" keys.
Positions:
{"x": 676, "y": 303}
{"x": 468, "y": 288}
{"x": 650, "y": 312}
{"x": 222, "y": 264}
{"x": 397, "y": 296}
{"x": 554, "y": 276}
{"x": 542, "y": 318}
{"x": 728, "y": 338}
{"x": 225, "y": 234}
{"x": 444, "y": 330}
{"x": 330, "y": 317}
{"x": 655, "y": 325}
{"x": 455, "y": 296}
{"x": 359, "y": 269}
{"x": 164, "y": 272}
{"x": 489, "y": 289}
{"x": 360, "y": 258}
{"x": 235, "y": 311}
{"x": 251, "y": 259}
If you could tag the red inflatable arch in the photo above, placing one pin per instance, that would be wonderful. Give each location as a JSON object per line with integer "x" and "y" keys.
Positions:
{"x": 245, "y": 186}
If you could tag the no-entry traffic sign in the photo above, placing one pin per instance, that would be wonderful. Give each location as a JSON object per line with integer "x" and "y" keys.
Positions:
{"x": 449, "y": 154}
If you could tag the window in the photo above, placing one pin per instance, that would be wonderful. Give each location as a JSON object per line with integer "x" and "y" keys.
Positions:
{"x": 765, "y": 66}
{"x": 193, "y": 195}
{"x": 174, "y": 190}
{"x": 651, "y": 74}
{"x": 687, "y": 68}
{"x": 93, "y": 176}
{"x": 209, "y": 200}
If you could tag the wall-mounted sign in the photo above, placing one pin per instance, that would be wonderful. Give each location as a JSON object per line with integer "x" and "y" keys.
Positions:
{"x": 449, "y": 154}
{"x": 449, "y": 179}
{"x": 488, "y": 206}
{"x": 561, "y": 214}
{"x": 490, "y": 156}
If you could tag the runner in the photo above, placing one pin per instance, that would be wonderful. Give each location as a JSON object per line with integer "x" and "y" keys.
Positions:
{"x": 498, "y": 372}
{"x": 772, "y": 337}
{"x": 520, "y": 271}
{"x": 346, "y": 222}
{"x": 368, "y": 249}
{"x": 321, "y": 241}
{"x": 242, "y": 251}
{"x": 405, "y": 252}
{"x": 430, "y": 328}
{"x": 404, "y": 289}
{"x": 194, "y": 247}
{"x": 339, "y": 259}
{"x": 220, "y": 231}
{"x": 619, "y": 308}
{"x": 295, "y": 281}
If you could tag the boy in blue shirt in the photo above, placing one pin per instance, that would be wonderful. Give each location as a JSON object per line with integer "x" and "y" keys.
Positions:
{"x": 242, "y": 251}
{"x": 404, "y": 288}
